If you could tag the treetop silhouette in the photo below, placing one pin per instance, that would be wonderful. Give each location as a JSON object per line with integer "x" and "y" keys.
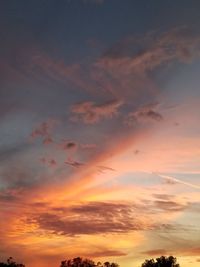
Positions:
{"x": 161, "y": 262}
{"x": 11, "y": 263}
{"x": 79, "y": 262}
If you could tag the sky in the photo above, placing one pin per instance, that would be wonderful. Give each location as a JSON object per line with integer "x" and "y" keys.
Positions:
{"x": 99, "y": 131}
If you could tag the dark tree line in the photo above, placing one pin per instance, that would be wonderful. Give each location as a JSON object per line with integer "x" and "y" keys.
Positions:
{"x": 161, "y": 262}
{"x": 79, "y": 262}
{"x": 11, "y": 263}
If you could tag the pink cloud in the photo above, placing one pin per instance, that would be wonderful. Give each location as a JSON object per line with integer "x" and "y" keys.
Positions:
{"x": 144, "y": 114}
{"x": 44, "y": 130}
{"x": 47, "y": 140}
{"x": 90, "y": 113}
{"x": 154, "y": 50}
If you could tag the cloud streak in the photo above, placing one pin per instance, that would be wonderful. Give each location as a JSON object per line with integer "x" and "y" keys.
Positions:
{"x": 144, "y": 114}
{"x": 175, "y": 180}
{"x": 90, "y": 113}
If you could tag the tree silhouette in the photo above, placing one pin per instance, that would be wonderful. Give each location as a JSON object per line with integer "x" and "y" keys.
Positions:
{"x": 11, "y": 263}
{"x": 79, "y": 262}
{"x": 161, "y": 262}
{"x": 108, "y": 264}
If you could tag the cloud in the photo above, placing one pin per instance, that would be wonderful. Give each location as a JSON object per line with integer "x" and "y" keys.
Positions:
{"x": 73, "y": 163}
{"x": 44, "y": 130}
{"x": 68, "y": 145}
{"x": 47, "y": 140}
{"x": 127, "y": 69}
{"x": 169, "y": 181}
{"x": 191, "y": 251}
{"x": 8, "y": 196}
{"x": 104, "y": 168}
{"x": 144, "y": 114}
{"x": 170, "y": 206}
{"x": 92, "y": 218}
{"x": 88, "y": 146}
{"x": 136, "y": 151}
{"x": 146, "y": 53}
{"x": 173, "y": 180}
{"x": 96, "y": 218}
{"x": 52, "y": 162}
{"x": 90, "y": 113}
{"x": 47, "y": 70}
{"x": 105, "y": 253}
{"x": 17, "y": 176}
{"x": 186, "y": 251}
{"x": 163, "y": 196}
{"x": 123, "y": 70}
{"x": 155, "y": 252}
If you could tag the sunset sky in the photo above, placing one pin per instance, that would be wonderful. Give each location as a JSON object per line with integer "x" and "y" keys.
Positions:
{"x": 99, "y": 131}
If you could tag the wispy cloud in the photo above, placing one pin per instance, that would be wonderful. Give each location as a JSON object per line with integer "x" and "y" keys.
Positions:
{"x": 155, "y": 252}
{"x": 106, "y": 253}
{"x": 151, "y": 51}
{"x": 89, "y": 112}
{"x": 144, "y": 114}
{"x": 44, "y": 130}
{"x": 175, "y": 180}
{"x": 74, "y": 163}
{"x": 188, "y": 251}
